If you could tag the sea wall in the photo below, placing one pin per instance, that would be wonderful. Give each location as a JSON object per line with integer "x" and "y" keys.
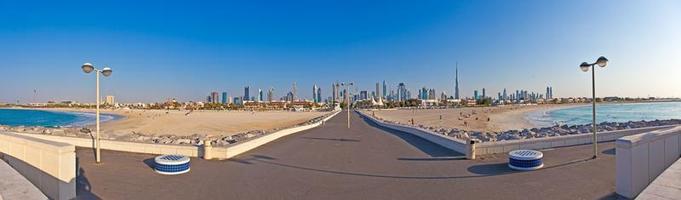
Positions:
{"x": 49, "y": 165}
{"x": 641, "y": 158}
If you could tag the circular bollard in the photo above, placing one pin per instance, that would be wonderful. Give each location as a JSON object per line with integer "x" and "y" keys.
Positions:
{"x": 525, "y": 160}
{"x": 171, "y": 164}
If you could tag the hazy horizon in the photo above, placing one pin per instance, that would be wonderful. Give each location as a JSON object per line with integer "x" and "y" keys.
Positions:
{"x": 161, "y": 50}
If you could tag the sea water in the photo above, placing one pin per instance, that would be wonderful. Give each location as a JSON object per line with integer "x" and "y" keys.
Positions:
{"x": 26, "y": 117}
{"x": 608, "y": 112}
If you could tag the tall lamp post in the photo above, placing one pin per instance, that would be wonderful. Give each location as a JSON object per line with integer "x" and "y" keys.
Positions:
{"x": 347, "y": 96}
{"x": 87, "y": 68}
{"x": 601, "y": 62}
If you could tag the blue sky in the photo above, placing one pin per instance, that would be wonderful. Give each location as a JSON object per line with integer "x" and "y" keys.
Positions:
{"x": 167, "y": 49}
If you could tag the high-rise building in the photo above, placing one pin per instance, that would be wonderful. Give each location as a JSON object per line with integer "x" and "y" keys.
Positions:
{"x": 504, "y": 97}
{"x": 314, "y": 93}
{"x": 456, "y": 82}
{"x": 319, "y": 94}
{"x": 385, "y": 89}
{"x": 224, "y": 98}
{"x": 247, "y": 95}
{"x": 363, "y": 95}
{"x": 270, "y": 94}
{"x": 214, "y": 97}
{"x": 334, "y": 92}
{"x": 475, "y": 95}
{"x": 432, "y": 94}
{"x": 378, "y": 91}
{"x": 110, "y": 100}
{"x": 261, "y": 96}
{"x": 402, "y": 92}
{"x": 294, "y": 90}
{"x": 484, "y": 95}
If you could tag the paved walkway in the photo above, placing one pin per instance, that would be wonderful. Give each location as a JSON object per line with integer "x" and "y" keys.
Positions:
{"x": 363, "y": 162}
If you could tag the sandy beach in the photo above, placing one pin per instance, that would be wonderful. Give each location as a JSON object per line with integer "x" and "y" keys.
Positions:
{"x": 184, "y": 123}
{"x": 484, "y": 119}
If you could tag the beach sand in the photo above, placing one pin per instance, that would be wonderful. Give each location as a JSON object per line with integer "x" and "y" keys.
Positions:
{"x": 484, "y": 119}
{"x": 214, "y": 123}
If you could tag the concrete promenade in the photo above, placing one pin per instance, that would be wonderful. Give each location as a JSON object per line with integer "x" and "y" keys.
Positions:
{"x": 364, "y": 162}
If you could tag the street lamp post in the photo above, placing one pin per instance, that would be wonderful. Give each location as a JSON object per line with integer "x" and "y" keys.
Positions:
{"x": 601, "y": 62}
{"x": 347, "y": 97}
{"x": 87, "y": 68}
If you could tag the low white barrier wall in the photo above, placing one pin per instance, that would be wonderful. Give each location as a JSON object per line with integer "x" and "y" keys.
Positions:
{"x": 641, "y": 158}
{"x": 192, "y": 151}
{"x": 439, "y": 139}
{"x": 510, "y": 145}
{"x": 235, "y": 150}
{"x": 50, "y": 166}
{"x": 559, "y": 141}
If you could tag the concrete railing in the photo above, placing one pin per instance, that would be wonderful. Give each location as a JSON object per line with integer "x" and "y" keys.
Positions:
{"x": 641, "y": 158}
{"x": 473, "y": 149}
{"x": 229, "y": 152}
{"x": 439, "y": 139}
{"x": 558, "y": 141}
{"x": 49, "y": 165}
{"x": 192, "y": 151}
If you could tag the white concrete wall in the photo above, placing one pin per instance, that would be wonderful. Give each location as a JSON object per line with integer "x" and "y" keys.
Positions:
{"x": 50, "y": 166}
{"x": 641, "y": 158}
{"x": 560, "y": 141}
{"x": 510, "y": 145}
{"x": 439, "y": 139}
{"x": 229, "y": 152}
{"x": 135, "y": 147}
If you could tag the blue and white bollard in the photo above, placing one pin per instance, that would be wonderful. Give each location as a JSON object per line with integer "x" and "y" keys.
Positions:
{"x": 171, "y": 164}
{"x": 525, "y": 160}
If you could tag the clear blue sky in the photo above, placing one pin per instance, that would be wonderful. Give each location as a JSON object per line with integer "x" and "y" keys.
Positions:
{"x": 168, "y": 49}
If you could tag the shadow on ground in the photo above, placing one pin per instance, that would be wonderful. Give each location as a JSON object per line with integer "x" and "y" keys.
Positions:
{"x": 423, "y": 145}
{"x": 83, "y": 186}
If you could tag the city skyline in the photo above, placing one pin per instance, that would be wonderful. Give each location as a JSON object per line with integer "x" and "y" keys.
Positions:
{"x": 399, "y": 42}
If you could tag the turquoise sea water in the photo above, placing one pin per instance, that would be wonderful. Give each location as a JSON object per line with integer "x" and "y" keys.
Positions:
{"x": 622, "y": 112}
{"x": 24, "y": 117}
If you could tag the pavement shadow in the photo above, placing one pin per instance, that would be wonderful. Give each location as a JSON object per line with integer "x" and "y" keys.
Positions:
{"x": 331, "y": 139}
{"x": 491, "y": 169}
{"x": 83, "y": 187}
{"x": 423, "y": 145}
{"x": 434, "y": 159}
{"x": 150, "y": 162}
{"x": 273, "y": 162}
{"x": 612, "y": 196}
{"x": 610, "y": 151}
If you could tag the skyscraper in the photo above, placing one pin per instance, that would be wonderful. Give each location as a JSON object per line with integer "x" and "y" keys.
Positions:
{"x": 294, "y": 91}
{"x": 456, "y": 82}
{"x": 385, "y": 89}
{"x": 504, "y": 97}
{"x": 475, "y": 95}
{"x": 215, "y": 98}
{"x": 247, "y": 95}
{"x": 314, "y": 93}
{"x": 270, "y": 94}
{"x": 548, "y": 92}
{"x": 402, "y": 92}
{"x": 224, "y": 98}
{"x": 484, "y": 95}
{"x": 378, "y": 91}
{"x": 319, "y": 94}
{"x": 260, "y": 95}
